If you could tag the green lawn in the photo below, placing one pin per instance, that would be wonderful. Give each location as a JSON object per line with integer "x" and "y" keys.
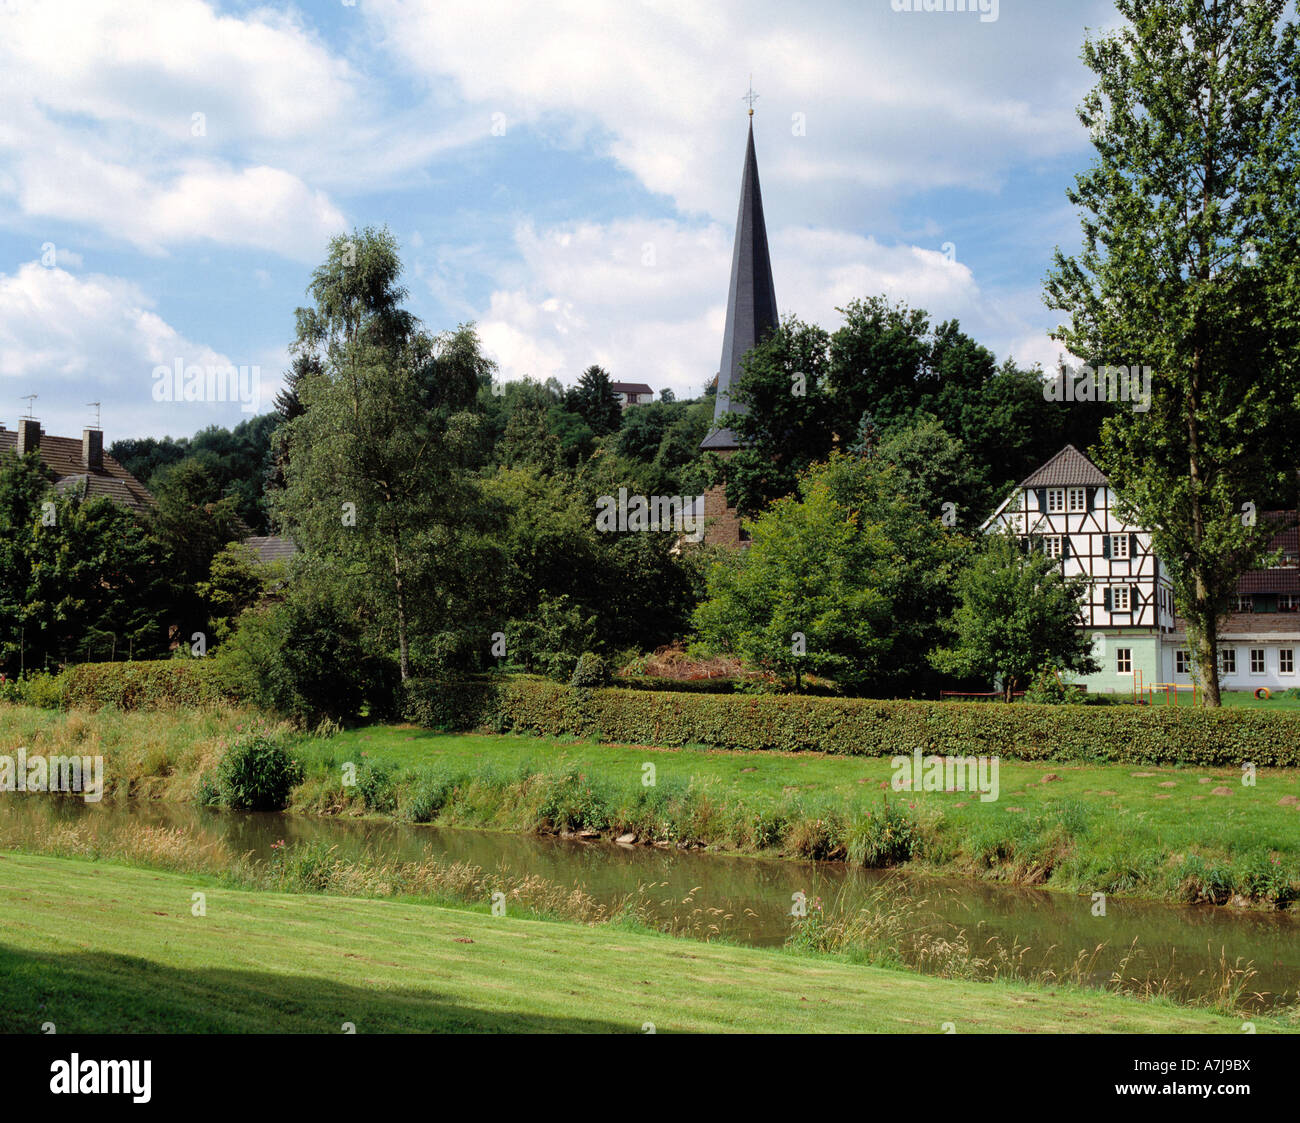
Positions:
{"x": 1246, "y": 698}
{"x": 1173, "y": 806}
{"x": 102, "y": 948}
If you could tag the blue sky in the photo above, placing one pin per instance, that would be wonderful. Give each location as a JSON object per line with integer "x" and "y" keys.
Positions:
{"x": 564, "y": 174}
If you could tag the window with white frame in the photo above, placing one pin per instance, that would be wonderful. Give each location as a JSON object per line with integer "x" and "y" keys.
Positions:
{"x": 1228, "y": 660}
{"x": 1119, "y": 546}
{"x": 1286, "y": 661}
{"x": 1078, "y": 497}
{"x": 1288, "y": 602}
{"x": 1243, "y": 602}
{"x": 1124, "y": 660}
{"x": 1052, "y": 546}
{"x": 1258, "y": 662}
{"x": 1119, "y": 598}
{"x": 1182, "y": 662}
{"x": 1055, "y": 500}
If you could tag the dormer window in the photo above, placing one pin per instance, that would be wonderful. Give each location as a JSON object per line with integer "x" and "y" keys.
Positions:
{"x": 1078, "y": 498}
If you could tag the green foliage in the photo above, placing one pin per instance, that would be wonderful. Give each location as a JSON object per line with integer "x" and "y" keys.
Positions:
{"x": 236, "y": 462}
{"x": 786, "y": 427}
{"x": 78, "y": 578}
{"x": 1018, "y": 613}
{"x": 593, "y": 399}
{"x": 256, "y": 773}
{"x": 886, "y": 836}
{"x": 1047, "y": 689}
{"x": 305, "y": 658}
{"x": 145, "y": 685}
{"x": 375, "y": 786}
{"x": 862, "y": 727}
{"x": 564, "y": 588}
{"x": 236, "y": 582}
{"x": 847, "y": 579}
{"x": 1190, "y": 267}
{"x": 590, "y": 671}
{"x": 41, "y": 689}
{"x": 805, "y": 390}
{"x": 547, "y": 641}
{"x": 427, "y": 794}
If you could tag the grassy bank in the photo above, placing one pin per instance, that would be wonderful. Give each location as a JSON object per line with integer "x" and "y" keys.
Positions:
{"x": 1174, "y": 833}
{"x": 95, "y": 947}
{"x": 1188, "y": 834}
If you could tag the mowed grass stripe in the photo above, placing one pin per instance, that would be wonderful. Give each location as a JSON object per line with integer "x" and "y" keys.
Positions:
{"x": 96, "y": 947}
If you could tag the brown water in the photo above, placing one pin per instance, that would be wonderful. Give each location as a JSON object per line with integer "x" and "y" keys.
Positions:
{"x": 749, "y": 900}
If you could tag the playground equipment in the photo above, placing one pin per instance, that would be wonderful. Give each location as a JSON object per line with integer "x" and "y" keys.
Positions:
{"x": 1263, "y": 694}
{"x": 1171, "y": 690}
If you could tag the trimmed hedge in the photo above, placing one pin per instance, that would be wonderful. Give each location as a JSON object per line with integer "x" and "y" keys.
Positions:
{"x": 144, "y": 685}
{"x": 860, "y": 726}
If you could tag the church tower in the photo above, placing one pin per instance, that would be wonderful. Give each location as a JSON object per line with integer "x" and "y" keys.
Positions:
{"x": 751, "y": 314}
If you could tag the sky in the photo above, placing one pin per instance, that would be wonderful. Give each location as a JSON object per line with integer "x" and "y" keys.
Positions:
{"x": 565, "y": 174}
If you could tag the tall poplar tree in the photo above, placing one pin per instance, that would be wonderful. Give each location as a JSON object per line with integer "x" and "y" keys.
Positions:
{"x": 1191, "y": 266}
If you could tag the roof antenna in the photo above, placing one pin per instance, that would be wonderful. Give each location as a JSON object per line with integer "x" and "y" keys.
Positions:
{"x": 29, "y": 398}
{"x": 96, "y": 405}
{"x": 750, "y": 96}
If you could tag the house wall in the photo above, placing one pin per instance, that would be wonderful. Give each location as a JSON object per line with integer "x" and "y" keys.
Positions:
{"x": 1144, "y": 646}
{"x": 1244, "y": 678}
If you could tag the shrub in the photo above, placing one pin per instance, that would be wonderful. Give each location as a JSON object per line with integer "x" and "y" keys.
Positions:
{"x": 38, "y": 688}
{"x": 590, "y": 671}
{"x": 375, "y": 786}
{"x": 884, "y": 837}
{"x": 1047, "y": 689}
{"x": 256, "y": 773}
{"x": 144, "y": 685}
{"x": 304, "y": 659}
{"x": 861, "y": 726}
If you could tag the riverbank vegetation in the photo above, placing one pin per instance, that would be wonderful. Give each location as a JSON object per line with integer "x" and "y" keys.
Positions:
{"x": 1180, "y": 833}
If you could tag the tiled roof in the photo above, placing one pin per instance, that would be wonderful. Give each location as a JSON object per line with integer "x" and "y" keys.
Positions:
{"x": 271, "y": 548}
{"x": 1237, "y": 625}
{"x": 631, "y": 388}
{"x": 62, "y": 455}
{"x": 1068, "y": 468}
{"x": 1280, "y": 580}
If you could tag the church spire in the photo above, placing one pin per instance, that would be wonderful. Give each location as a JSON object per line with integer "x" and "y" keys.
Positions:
{"x": 751, "y": 298}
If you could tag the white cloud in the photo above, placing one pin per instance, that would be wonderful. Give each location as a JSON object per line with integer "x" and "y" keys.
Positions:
{"x": 74, "y": 339}
{"x": 589, "y": 297}
{"x": 169, "y": 124}
{"x": 889, "y": 101}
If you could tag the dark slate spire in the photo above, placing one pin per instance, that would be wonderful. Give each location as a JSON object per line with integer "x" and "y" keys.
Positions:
{"x": 751, "y": 300}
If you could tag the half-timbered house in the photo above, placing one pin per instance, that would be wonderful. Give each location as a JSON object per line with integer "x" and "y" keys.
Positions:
{"x": 1067, "y": 509}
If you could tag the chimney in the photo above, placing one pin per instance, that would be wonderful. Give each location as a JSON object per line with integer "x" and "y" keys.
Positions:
{"x": 92, "y": 448}
{"x": 29, "y": 435}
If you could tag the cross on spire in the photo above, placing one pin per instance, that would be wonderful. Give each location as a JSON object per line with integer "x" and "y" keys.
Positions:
{"x": 750, "y": 96}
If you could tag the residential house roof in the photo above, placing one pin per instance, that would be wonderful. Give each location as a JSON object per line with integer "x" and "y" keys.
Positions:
{"x": 271, "y": 548}
{"x": 64, "y": 457}
{"x": 1068, "y": 468}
